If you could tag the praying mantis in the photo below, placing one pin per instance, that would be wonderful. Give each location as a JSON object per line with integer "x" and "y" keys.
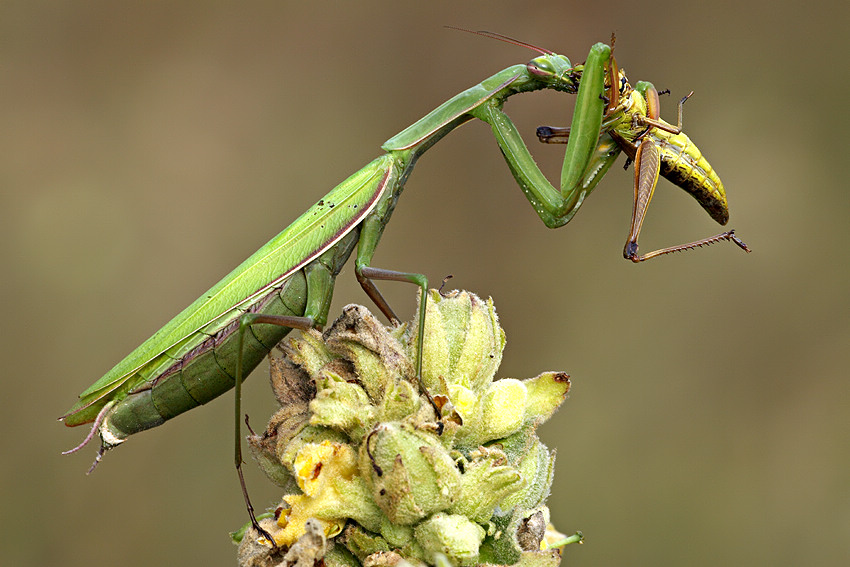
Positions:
{"x": 211, "y": 345}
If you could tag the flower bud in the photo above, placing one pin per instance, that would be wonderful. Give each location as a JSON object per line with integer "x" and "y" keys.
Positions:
{"x": 308, "y": 351}
{"x": 503, "y": 408}
{"x": 410, "y": 473}
{"x": 507, "y": 406}
{"x": 342, "y": 405}
{"x": 537, "y": 466}
{"x": 463, "y": 342}
{"x": 378, "y": 357}
{"x": 486, "y": 481}
{"x": 453, "y": 535}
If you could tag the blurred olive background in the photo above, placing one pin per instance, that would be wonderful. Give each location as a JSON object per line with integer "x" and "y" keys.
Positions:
{"x": 147, "y": 148}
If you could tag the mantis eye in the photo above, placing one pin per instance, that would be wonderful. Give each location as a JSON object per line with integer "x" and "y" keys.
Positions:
{"x": 540, "y": 67}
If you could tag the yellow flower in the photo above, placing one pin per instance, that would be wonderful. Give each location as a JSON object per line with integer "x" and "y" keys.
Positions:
{"x": 319, "y": 468}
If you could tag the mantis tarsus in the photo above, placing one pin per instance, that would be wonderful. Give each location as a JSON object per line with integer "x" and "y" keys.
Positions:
{"x": 206, "y": 349}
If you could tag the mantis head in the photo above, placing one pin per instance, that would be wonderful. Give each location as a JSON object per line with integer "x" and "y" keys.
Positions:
{"x": 555, "y": 70}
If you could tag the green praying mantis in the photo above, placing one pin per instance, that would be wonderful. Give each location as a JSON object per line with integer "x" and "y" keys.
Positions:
{"x": 211, "y": 345}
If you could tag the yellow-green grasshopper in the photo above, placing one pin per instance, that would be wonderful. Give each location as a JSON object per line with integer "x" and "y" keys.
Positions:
{"x": 632, "y": 123}
{"x": 221, "y": 337}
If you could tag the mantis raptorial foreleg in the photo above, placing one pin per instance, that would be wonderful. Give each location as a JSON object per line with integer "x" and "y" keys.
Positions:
{"x": 556, "y": 207}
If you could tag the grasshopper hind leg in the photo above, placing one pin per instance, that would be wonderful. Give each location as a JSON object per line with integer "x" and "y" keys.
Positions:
{"x": 647, "y": 167}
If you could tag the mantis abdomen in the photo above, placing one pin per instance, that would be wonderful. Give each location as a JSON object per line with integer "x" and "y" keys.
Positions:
{"x": 208, "y": 370}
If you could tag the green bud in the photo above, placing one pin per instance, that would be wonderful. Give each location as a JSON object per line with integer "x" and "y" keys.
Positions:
{"x": 510, "y": 404}
{"x": 374, "y": 549}
{"x": 507, "y": 406}
{"x": 363, "y": 543}
{"x": 308, "y": 351}
{"x": 463, "y": 342}
{"x": 397, "y": 536}
{"x": 537, "y": 466}
{"x": 379, "y": 358}
{"x": 545, "y": 393}
{"x": 410, "y": 473}
{"x": 503, "y": 408}
{"x": 342, "y": 405}
{"x": 401, "y": 400}
{"x": 453, "y": 535}
{"x": 340, "y": 556}
{"x": 486, "y": 481}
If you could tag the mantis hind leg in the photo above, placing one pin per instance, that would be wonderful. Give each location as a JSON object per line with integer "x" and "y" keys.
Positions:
{"x": 245, "y": 322}
{"x": 320, "y": 282}
{"x": 370, "y": 234}
{"x": 366, "y": 274}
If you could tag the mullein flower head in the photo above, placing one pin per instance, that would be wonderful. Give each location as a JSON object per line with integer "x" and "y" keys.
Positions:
{"x": 386, "y": 472}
